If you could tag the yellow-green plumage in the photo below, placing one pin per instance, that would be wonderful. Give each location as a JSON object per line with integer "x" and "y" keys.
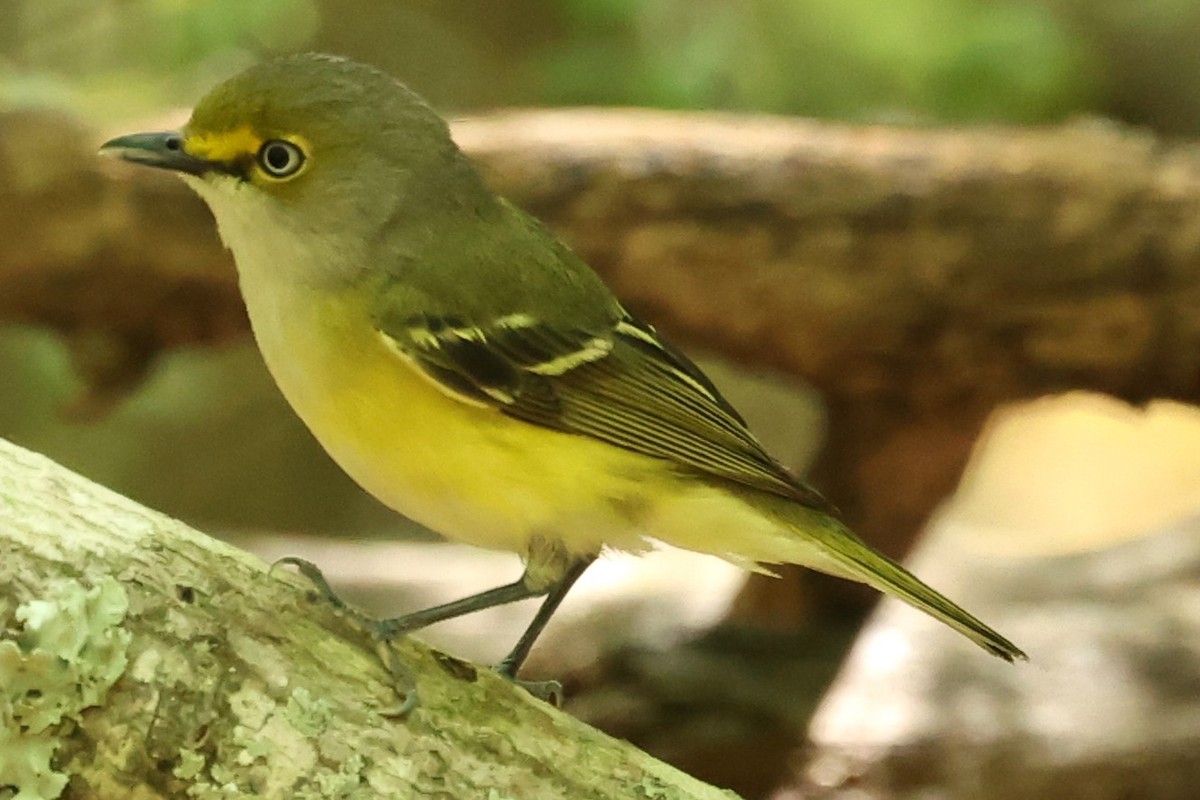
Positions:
{"x": 467, "y": 368}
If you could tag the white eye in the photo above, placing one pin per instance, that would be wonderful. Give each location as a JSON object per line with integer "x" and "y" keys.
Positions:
{"x": 280, "y": 159}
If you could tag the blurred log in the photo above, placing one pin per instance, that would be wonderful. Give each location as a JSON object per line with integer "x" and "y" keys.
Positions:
{"x": 1107, "y": 708}
{"x": 124, "y": 264}
{"x": 917, "y": 278}
{"x": 140, "y": 654}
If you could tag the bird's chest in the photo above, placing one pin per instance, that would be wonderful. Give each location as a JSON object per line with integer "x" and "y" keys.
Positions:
{"x": 374, "y": 415}
{"x": 468, "y": 472}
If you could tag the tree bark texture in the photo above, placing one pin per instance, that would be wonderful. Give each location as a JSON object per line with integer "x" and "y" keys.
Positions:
{"x": 917, "y": 278}
{"x": 139, "y": 658}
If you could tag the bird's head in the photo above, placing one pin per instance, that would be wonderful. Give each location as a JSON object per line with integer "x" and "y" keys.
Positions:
{"x": 313, "y": 146}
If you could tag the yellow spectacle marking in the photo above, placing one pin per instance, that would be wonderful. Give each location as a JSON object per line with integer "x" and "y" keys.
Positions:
{"x": 223, "y": 145}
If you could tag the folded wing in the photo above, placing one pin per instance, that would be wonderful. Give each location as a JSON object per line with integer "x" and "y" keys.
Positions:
{"x": 623, "y": 385}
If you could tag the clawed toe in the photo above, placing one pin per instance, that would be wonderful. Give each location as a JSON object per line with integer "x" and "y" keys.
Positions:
{"x": 379, "y": 631}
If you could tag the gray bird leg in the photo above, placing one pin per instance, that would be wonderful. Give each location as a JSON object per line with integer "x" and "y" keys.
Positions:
{"x": 530, "y": 584}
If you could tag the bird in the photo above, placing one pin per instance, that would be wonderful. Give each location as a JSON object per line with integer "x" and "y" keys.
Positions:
{"x": 466, "y": 367}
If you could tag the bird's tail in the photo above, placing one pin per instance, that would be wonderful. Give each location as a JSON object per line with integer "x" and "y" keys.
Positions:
{"x": 845, "y": 555}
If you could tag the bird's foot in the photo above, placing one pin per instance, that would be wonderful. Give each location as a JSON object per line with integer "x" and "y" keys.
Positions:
{"x": 379, "y": 631}
{"x": 547, "y": 691}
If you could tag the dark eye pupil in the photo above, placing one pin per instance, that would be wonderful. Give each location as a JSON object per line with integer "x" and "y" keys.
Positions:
{"x": 278, "y": 156}
{"x": 280, "y": 159}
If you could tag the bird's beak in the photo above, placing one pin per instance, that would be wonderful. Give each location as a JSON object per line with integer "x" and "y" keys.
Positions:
{"x": 164, "y": 150}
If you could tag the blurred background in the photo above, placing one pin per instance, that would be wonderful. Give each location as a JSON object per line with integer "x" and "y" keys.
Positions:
{"x": 1075, "y": 523}
{"x": 922, "y": 60}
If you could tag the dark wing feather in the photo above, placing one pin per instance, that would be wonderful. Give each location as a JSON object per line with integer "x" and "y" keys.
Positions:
{"x": 624, "y": 386}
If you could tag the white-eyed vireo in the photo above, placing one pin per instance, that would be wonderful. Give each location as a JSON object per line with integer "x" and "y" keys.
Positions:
{"x": 467, "y": 368}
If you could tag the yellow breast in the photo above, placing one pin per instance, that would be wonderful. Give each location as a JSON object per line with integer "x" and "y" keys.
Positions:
{"x": 465, "y": 471}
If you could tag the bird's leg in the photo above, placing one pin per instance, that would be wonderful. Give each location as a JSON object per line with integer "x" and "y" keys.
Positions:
{"x": 512, "y": 662}
{"x": 551, "y": 690}
{"x": 533, "y": 583}
{"x": 521, "y": 589}
{"x": 501, "y": 595}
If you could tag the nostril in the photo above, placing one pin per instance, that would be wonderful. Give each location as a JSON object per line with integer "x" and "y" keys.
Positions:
{"x": 174, "y": 143}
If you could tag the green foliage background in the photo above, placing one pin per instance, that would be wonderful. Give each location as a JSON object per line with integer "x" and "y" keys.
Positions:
{"x": 926, "y": 61}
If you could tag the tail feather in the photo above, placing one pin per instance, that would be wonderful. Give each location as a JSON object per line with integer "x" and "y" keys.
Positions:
{"x": 880, "y": 572}
{"x": 764, "y": 529}
{"x": 858, "y": 561}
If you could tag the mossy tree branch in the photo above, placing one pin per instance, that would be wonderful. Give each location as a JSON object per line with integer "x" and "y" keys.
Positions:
{"x": 140, "y": 658}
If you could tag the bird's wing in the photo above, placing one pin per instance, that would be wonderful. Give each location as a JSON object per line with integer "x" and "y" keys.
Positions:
{"x": 621, "y": 384}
